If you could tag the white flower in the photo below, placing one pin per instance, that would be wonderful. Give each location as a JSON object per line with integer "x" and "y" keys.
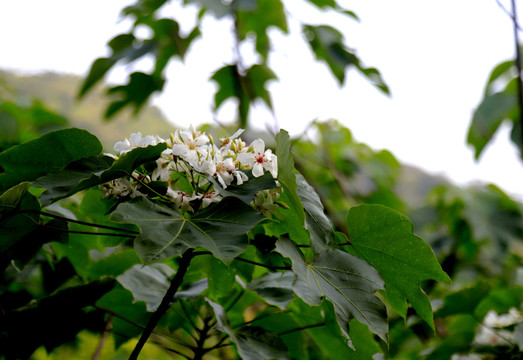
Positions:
{"x": 121, "y": 187}
{"x": 182, "y": 199}
{"x": 211, "y": 197}
{"x": 226, "y": 142}
{"x": 260, "y": 159}
{"x": 188, "y": 143}
{"x": 134, "y": 141}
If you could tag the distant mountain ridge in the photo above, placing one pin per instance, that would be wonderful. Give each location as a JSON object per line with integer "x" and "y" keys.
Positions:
{"x": 58, "y": 93}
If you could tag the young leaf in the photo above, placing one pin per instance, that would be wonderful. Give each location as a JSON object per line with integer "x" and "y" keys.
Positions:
{"x": 220, "y": 229}
{"x": 385, "y": 239}
{"x": 49, "y": 153}
{"x": 345, "y": 280}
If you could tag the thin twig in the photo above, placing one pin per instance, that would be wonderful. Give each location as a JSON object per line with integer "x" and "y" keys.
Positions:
{"x": 100, "y": 345}
{"x": 88, "y": 232}
{"x": 264, "y": 265}
{"x": 184, "y": 263}
{"x": 508, "y": 13}
{"x": 79, "y": 222}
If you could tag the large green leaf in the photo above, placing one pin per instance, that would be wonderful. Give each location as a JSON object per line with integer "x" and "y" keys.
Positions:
{"x": 165, "y": 232}
{"x": 385, "y": 239}
{"x": 252, "y": 343}
{"x": 345, "y": 280}
{"x": 488, "y": 117}
{"x": 49, "y": 153}
{"x": 93, "y": 171}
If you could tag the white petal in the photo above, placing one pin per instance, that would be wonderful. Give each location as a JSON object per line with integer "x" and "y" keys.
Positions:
{"x": 259, "y": 146}
{"x": 135, "y": 138}
{"x": 246, "y": 158}
{"x": 179, "y": 149}
{"x": 257, "y": 170}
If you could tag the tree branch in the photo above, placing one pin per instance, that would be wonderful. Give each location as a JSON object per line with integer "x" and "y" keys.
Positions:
{"x": 184, "y": 263}
{"x": 263, "y": 265}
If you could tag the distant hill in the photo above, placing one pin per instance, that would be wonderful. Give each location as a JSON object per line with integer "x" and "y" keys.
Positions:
{"x": 58, "y": 93}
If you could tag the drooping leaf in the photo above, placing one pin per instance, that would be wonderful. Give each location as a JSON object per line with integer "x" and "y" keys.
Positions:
{"x": 221, "y": 279}
{"x": 488, "y": 117}
{"x": 114, "y": 264}
{"x": 385, "y": 239}
{"x": 327, "y": 45}
{"x": 147, "y": 283}
{"x": 345, "y": 280}
{"x": 49, "y": 153}
{"x": 501, "y": 70}
{"x": 275, "y": 288}
{"x": 257, "y": 19}
{"x": 252, "y": 343}
{"x": 220, "y": 229}
{"x": 94, "y": 171}
{"x": 318, "y": 224}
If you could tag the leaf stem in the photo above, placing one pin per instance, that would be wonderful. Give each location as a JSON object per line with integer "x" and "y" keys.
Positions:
{"x": 301, "y": 328}
{"x": 264, "y": 265}
{"x": 518, "y": 67}
{"x": 184, "y": 263}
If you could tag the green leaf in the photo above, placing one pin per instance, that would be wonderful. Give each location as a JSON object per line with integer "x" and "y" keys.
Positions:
{"x": 252, "y": 343}
{"x": 500, "y": 300}
{"x": 221, "y": 278}
{"x": 94, "y": 171}
{"x": 318, "y": 224}
{"x": 114, "y": 264}
{"x": 499, "y": 71}
{"x": 49, "y": 153}
{"x": 147, "y": 283}
{"x": 345, "y": 280}
{"x": 248, "y": 189}
{"x": 327, "y": 44}
{"x": 385, "y": 239}
{"x": 14, "y": 225}
{"x": 464, "y": 301}
{"x": 220, "y": 229}
{"x": 258, "y": 19}
{"x": 258, "y": 76}
{"x": 292, "y": 220}
{"x": 488, "y": 117}
{"x": 275, "y": 288}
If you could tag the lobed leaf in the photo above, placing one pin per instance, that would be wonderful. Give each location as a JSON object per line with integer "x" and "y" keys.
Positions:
{"x": 345, "y": 280}
{"x": 385, "y": 239}
{"x": 220, "y": 228}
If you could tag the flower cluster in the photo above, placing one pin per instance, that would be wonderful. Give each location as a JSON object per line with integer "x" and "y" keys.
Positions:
{"x": 190, "y": 158}
{"x": 494, "y": 329}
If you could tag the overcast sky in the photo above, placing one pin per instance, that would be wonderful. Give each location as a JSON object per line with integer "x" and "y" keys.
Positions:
{"x": 435, "y": 55}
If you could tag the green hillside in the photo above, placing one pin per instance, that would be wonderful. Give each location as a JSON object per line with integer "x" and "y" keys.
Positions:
{"x": 58, "y": 93}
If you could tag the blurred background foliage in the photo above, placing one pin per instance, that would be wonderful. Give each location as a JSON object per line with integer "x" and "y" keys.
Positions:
{"x": 476, "y": 232}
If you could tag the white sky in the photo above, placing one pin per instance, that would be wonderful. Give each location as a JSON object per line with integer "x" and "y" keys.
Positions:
{"x": 435, "y": 55}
